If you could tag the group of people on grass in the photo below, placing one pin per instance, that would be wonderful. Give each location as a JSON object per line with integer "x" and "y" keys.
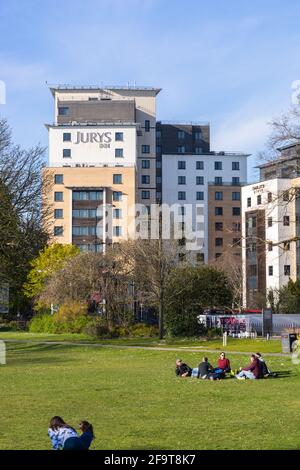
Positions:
{"x": 256, "y": 369}
{"x": 65, "y": 437}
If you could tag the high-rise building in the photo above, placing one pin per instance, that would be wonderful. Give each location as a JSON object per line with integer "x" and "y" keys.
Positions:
{"x": 102, "y": 154}
{"x": 271, "y": 227}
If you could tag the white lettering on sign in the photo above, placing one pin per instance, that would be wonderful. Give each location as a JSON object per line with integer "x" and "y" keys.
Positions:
{"x": 91, "y": 137}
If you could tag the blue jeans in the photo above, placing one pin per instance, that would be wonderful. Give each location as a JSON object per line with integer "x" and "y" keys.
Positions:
{"x": 246, "y": 373}
{"x": 195, "y": 372}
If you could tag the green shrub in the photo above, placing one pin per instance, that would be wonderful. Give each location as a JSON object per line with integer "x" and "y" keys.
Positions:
{"x": 183, "y": 323}
{"x": 42, "y": 324}
{"x": 97, "y": 328}
{"x": 213, "y": 333}
{"x": 143, "y": 330}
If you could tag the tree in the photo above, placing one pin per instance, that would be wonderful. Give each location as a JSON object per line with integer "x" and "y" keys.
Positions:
{"x": 151, "y": 263}
{"x": 21, "y": 209}
{"x": 231, "y": 264}
{"x": 50, "y": 259}
{"x": 286, "y": 299}
{"x": 191, "y": 289}
{"x": 94, "y": 277}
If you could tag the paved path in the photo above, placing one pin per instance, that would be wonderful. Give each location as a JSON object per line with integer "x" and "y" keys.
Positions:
{"x": 198, "y": 349}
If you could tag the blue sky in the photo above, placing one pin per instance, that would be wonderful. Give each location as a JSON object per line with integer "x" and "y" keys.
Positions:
{"x": 231, "y": 63}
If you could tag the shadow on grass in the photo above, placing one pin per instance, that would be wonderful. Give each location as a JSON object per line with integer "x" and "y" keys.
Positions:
{"x": 39, "y": 354}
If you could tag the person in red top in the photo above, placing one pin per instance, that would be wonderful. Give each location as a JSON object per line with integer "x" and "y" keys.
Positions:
{"x": 224, "y": 363}
{"x": 252, "y": 371}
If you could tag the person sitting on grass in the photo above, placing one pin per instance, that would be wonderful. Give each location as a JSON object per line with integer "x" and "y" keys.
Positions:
{"x": 182, "y": 369}
{"x": 63, "y": 436}
{"x": 264, "y": 370}
{"x": 252, "y": 371}
{"x": 87, "y": 435}
{"x": 206, "y": 371}
{"x": 224, "y": 363}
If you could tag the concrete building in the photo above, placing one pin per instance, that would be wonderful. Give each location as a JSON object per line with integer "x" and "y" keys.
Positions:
{"x": 102, "y": 149}
{"x": 270, "y": 227}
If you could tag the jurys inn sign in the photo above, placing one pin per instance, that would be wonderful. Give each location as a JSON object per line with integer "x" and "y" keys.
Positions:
{"x": 102, "y": 138}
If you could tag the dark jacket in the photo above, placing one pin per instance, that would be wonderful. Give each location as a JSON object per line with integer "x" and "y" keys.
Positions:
{"x": 254, "y": 367}
{"x": 204, "y": 368}
{"x": 182, "y": 369}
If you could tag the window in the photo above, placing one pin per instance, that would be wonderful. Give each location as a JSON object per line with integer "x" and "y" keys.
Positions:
{"x": 117, "y": 196}
{"x": 197, "y": 135}
{"x": 219, "y": 196}
{"x": 287, "y": 270}
{"x": 58, "y": 214}
{"x": 269, "y": 197}
{"x": 145, "y": 194}
{"x": 219, "y": 226}
{"x": 235, "y": 180}
{"x": 67, "y": 137}
{"x": 58, "y": 231}
{"x": 253, "y": 269}
{"x": 236, "y": 242}
{"x": 200, "y": 195}
{"x": 119, "y": 153}
{"x": 181, "y": 195}
{"x": 248, "y": 201}
{"x": 145, "y": 179}
{"x": 117, "y": 231}
{"x": 181, "y": 149}
{"x": 180, "y": 134}
{"x": 88, "y": 230}
{"x": 158, "y": 179}
{"x": 259, "y": 199}
{"x": 217, "y": 255}
{"x": 63, "y": 111}
{"x": 270, "y": 269}
{"x": 158, "y": 149}
{"x": 59, "y": 179}
{"x": 147, "y": 125}
{"x": 58, "y": 196}
{"x": 270, "y": 221}
{"x": 158, "y": 134}
{"x": 200, "y": 180}
{"x": 218, "y": 210}
{"x": 181, "y": 165}
{"x": 270, "y": 246}
{"x": 146, "y": 164}
{"x": 181, "y": 180}
{"x": 218, "y": 165}
{"x": 218, "y": 241}
{"x": 87, "y": 213}
{"x": 286, "y": 220}
{"x": 145, "y": 148}
{"x": 285, "y": 196}
{"x": 235, "y": 166}
{"x": 236, "y": 211}
{"x": 198, "y": 150}
{"x": 66, "y": 153}
{"x": 158, "y": 164}
{"x": 236, "y": 226}
{"x": 87, "y": 195}
{"x": 199, "y": 165}
{"x": 236, "y": 196}
{"x": 119, "y": 136}
{"x": 117, "y": 213}
{"x": 117, "y": 179}
{"x": 200, "y": 257}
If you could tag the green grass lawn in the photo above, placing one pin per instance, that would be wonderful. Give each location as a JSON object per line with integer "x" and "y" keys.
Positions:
{"x": 246, "y": 345}
{"x": 135, "y": 401}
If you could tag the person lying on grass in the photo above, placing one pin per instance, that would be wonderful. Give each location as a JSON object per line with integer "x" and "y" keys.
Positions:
{"x": 183, "y": 370}
{"x": 65, "y": 437}
{"x": 252, "y": 371}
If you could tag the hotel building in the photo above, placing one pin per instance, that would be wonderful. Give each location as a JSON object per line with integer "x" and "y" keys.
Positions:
{"x": 271, "y": 225}
{"x": 107, "y": 152}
